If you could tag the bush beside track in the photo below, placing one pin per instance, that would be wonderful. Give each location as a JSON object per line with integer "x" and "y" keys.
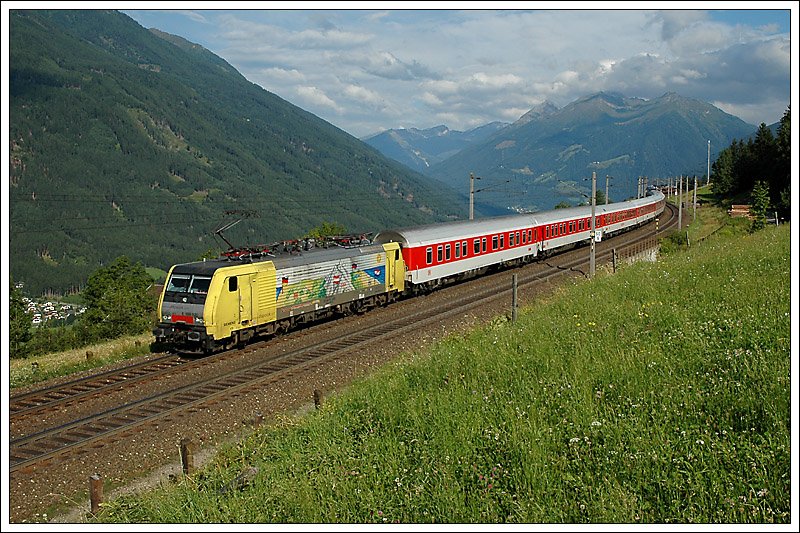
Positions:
{"x": 657, "y": 395}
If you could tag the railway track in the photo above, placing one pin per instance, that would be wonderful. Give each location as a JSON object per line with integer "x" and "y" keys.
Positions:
{"x": 54, "y": 443}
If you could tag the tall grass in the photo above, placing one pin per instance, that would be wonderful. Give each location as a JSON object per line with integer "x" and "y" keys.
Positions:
{"x": 657, "y": 395}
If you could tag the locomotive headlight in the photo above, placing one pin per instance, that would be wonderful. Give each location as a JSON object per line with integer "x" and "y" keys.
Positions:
{"x": 198, "y": 320}
{"x": 166, "y": 318}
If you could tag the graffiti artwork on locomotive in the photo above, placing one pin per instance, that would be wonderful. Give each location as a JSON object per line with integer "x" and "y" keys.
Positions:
{"x": 218, "y": 304}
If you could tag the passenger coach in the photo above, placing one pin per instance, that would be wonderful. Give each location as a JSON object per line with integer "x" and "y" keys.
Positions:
{"x": 450, "y": 251}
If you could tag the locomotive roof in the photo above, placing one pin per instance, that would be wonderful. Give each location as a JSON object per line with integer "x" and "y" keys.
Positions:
{"x": 466, "y": 229}
{"x": 281, "y": 261}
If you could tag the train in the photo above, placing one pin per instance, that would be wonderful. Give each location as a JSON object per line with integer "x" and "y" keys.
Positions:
{"x": 212, "y": 305}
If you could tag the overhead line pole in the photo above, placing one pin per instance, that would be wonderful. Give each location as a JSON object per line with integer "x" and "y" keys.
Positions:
{"x": 591, "y": 233}
{"x": 471, "y": 195}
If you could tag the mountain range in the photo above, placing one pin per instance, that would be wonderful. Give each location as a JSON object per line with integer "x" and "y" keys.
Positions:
{"x": 548, "y": 155}
{"x": 128, "y": 141}
{"x": 420, "y": 149}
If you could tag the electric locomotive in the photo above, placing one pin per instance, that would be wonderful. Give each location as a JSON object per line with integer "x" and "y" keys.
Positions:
{"x": 218, "y": 304}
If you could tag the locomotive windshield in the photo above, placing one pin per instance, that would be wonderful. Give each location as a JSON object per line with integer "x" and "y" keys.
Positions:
{"x": 181, "y": 285}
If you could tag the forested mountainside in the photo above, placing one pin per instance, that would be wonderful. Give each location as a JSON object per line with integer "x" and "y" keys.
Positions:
{"x": 605, "y": 133}
{"x": 128, "y": 141}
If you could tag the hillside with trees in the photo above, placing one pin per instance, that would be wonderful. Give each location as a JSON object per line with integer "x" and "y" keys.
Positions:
{"x": 626, "y": 138}
{"x": 760, "y": 166}
{"x": 125, "y": 141}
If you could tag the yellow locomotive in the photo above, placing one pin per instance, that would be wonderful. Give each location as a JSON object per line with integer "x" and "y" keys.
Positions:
{"x": 218, "y": 304}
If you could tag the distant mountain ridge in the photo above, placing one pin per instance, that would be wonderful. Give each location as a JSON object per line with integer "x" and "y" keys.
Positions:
{"x": 419, "y": 149}
{"x": 128, "y": 141}
{"x": 549, "y": 154}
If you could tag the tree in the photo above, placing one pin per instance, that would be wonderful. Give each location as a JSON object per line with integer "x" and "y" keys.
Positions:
{"x": 19, "y": 323}
{"x": 599, "y": 197}
{"x": 783, "y": 168}
{"x": 759, "y": 205}
{"x": 326, "y": 229}
{"x": 117, "y": 299}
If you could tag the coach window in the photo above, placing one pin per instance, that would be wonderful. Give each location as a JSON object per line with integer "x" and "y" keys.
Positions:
{"x": 458, "y": 250}
{"x": 447, "y": 252}
{"x": 530, "y": 235}
{"x": 494, "y": 242}
{"x": 502, "y": 241}
{"x": 233, "y": 284}
{"x": 510, "y": 239}
{"x": 483, "y": 245}
{"x": 439, "y": 254}
{"x": 429, "y": 255}
{"x": 547, "y": 232}
{"x": 464, "y": 247}
{"x": 518, "y": 236}
{"x": 476, "y": 246}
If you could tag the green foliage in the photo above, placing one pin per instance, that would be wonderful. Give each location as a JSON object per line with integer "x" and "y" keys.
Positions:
{"x": 563, "y": 205}
{"x": 760, "y": 205}
{"x": 118, "y": 301}
{"x": 764, "y": 157}
{"x": 657, "y": 395}
{"x": 326, "y": 229}
{"x": 600, "y": 197}
{"x": 19, "y": 322}
{"x": 129, "y": 142}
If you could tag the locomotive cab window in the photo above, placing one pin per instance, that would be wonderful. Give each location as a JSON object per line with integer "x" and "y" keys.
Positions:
{"x": 200, "y": 284}
{"x": 233, "y": 284}
{"x": 179, "y": 283}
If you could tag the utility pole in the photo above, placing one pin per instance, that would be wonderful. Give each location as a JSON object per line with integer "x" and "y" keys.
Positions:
{"x": 694, "y": 201}
{"x": 471, "y": 195}
{"x": 607, "y": 189}
{"x": 680, "y": 201}
{"x": 591, "y": 233}
{"x": 708, "y": 164}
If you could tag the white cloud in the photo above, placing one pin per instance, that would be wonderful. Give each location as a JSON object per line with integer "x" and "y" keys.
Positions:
{"x": 363, "y": 70}
{"x": 317, "y": 97}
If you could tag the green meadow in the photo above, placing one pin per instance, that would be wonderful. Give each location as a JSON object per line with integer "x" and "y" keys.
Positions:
{"x": 659, "y": 394}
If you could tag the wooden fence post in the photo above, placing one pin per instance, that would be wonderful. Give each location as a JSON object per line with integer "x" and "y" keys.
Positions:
{"x": 187, "y": 455}
{"x": 514, "y": 298}
{"x": 317, "y": 398}
{"x": 95, "y": 493}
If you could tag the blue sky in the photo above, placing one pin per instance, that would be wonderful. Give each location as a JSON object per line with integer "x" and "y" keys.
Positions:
{"x": 465, "y": 64}
{"x": 370, "y": 70}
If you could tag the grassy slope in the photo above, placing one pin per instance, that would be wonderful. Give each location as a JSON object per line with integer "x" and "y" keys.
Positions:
{"x": 658, "y": 395}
